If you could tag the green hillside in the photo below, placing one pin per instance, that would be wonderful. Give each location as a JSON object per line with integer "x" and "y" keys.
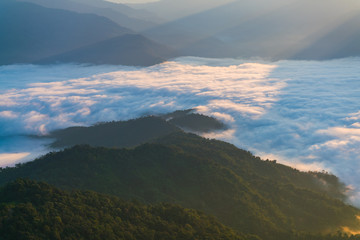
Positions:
{"x": 115, "y": 134}
{"x": 193, "y": 122}
{"x": 244, "y": 192}
{"x": 31, "y": 210}
{"x": 134, "y": 132}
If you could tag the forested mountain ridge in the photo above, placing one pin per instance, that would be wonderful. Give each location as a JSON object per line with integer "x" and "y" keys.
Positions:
{"x": 114, "y": 134}
{"x": 244, "y": 192}
{"x": 134, "y": 132}
{"x": 35, "y": 210}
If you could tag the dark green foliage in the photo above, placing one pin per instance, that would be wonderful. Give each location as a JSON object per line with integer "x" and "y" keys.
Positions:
{"x": 115, "y": 134}
{"x": 135, "y": 132}
{"x": 306, "y": 198}
{"x": 253, "y": 196}
{"x": 30, "y": 210}
{"x": 190, "y": 121}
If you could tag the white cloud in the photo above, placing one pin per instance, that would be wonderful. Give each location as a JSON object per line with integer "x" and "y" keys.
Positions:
{"x": 226, "y": 135}
{"x": 48, "y": 105}
{"x": 8, "y": 114}
{"x": 223, "y": 117}
{"x": 300, "y": 165}
{"x": 341, "y": 131}
{"x": 11, "y": 158}
{"x": 354, "y": 116}
{"x": 245, "y": 109}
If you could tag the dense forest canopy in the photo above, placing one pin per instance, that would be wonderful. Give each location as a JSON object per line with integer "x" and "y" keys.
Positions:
{"x": 250, "y": 195}
{"x": 135, "y": 131}
{"x": 35, "y": 210}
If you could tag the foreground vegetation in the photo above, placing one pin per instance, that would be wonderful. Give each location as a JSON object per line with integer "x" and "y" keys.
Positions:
{"x": 257, "y": 198}
{"x": 31, "y": 210}
{"x": 252, "y": 196}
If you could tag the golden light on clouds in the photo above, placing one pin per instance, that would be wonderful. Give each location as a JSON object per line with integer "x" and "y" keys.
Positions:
{"x": 11, "y": 158}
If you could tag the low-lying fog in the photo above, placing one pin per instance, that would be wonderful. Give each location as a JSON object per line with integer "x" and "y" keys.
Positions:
{"x": 303, "y": 113}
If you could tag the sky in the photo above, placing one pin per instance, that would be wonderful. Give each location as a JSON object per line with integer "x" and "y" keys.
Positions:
{"x": 302, "y": 113}
{"x": 132, "y": 1}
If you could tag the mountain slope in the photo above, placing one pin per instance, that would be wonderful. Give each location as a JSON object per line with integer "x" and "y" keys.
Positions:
{"x": 174, "y": 9}
{"x": 242, "y": 191}
{"x": 274, "y": 29}
{"x": 114, "y": 134}
{"x": 34, "y": 34}
{"x": 32, "y": 210}
{"x": 128, "y": 49}
{"x": 118, "y": 13}
{"x": 31, "y": 32}
{"x": 122, "y": 8}
{"x": 136, "y": 131}
{"x": 186, "y": 31}
{"x": 341, "y": 42}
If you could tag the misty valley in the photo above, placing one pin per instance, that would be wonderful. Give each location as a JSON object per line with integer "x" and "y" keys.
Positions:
{"x": 169, "y": 119}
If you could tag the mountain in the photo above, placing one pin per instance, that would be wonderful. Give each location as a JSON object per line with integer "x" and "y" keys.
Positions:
{"x": 129, "y": 49}
{"x": 341, "y": 42}
{"x": 121, "y": 8}
{"x": 274, "y": 29}
{"x": 121, "y": 14}
{"x": 170, "y": 10}
{"x": 194, "y": 122}
{"x": 35, "y": 210}
{"x": 188, "y": 30}
{"x": 253, "y": 196}
{"x": 136, "y": 131}
{"x": 31, "y": 33}
{"x": 114, "y": 134}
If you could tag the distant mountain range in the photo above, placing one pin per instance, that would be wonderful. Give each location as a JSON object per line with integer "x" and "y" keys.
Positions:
{"x": 79, "y": 31}
{"x": 170, "y": 10}
{"x": 121, "y": 14}
{"x": 128, "y": 49}
{"x": 276, "y": 29}
{"x": 34, "y": 34}
{"x": 341, "y": 42}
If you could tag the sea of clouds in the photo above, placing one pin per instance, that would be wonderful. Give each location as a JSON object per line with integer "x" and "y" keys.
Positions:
{"x": 303, "y": 113}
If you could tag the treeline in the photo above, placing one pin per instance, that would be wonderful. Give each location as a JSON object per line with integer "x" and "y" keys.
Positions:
{"x": 135, "y": 131}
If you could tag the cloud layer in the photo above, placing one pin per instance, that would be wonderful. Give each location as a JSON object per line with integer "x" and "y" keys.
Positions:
{"x": 305, "y": 114}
